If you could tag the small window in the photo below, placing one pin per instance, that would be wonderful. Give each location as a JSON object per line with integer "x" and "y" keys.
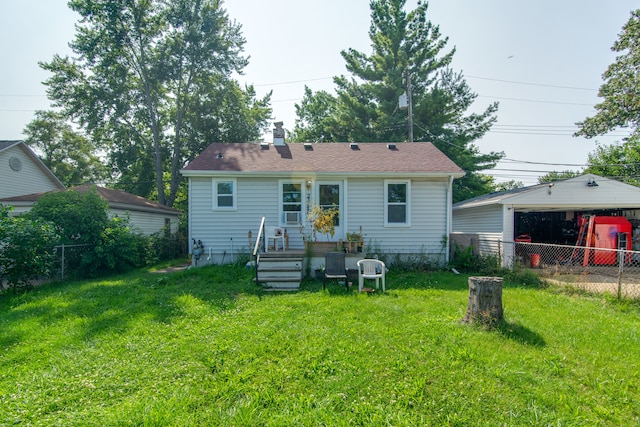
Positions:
{"x": 224, "y": 194}
{"x": 290, "y": 202}
{"x": 397, "y": 207}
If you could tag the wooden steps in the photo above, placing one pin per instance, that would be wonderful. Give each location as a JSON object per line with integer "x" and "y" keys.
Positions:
{"x": 280, "y": 270}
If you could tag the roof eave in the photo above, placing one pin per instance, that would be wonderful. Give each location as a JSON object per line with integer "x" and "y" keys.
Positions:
{"x": 212, "y": 173}
{"x": 149, "y": 209}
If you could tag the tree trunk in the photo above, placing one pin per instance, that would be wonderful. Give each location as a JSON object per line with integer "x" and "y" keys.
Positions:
{"x": 485, "y": 300}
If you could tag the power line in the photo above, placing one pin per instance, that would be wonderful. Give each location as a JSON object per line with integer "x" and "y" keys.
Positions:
{"x": 585, "y": 165}
{"x": 292, "y": 82}
{"x": 531, "y": 84}
{"x": 536, "y": 100}
{"x": 550, "y": 133}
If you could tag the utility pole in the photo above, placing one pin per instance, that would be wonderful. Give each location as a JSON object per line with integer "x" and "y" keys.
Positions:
{"x": 409, "y": 106}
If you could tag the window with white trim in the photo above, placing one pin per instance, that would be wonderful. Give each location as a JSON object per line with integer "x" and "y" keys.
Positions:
{"x": 397, "y": 209}
{"x": 291, "y": 202}
{"x": 224, "y": 194}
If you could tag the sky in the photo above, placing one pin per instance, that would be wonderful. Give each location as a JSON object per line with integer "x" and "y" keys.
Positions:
{"x": 542, "y": 61}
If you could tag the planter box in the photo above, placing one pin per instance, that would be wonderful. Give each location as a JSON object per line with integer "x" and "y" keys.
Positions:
{"x": 318, "y": 249}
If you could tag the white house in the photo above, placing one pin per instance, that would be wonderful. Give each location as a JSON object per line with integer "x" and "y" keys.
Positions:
{"x": 146, "y": 216}
{"x": 22, "y": 172}
{"x": 24, "y": 178}
{"x": 547, "y": 212}
{"x": 399, "y": 193}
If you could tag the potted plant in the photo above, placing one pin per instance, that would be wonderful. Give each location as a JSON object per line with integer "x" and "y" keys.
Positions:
{"x": 323, "y": 223}
{"x": 323, "y": 220}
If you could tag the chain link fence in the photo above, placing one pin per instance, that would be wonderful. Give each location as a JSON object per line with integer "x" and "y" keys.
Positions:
{"x": 592, "y": 269}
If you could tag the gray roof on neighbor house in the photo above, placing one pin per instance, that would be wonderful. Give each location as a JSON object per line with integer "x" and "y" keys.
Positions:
{"x": 115, "y": 198}
{"x": 6, "y": 144}
{"x": 421, "y": 158}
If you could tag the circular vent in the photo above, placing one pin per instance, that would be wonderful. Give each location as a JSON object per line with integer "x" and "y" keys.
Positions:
{"x": 15, "y": 163}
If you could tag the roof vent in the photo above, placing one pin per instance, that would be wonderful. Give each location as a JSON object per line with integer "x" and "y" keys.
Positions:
{"x": 354, "y": 146}
{"x": 15, "y": 163}
{"x": 308, "y": 146}
{"x": 264, "y": 145}
{"x": 219, "y": 156}
{"x": 392, "y": 146}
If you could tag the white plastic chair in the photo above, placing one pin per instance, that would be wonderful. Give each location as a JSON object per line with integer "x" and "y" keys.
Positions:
{"x": 275, "y": 233}
{"x": 371, "y": 269}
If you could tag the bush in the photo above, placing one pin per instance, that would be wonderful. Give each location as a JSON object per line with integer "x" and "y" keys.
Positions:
{"x": 80, "y": 218}
{"x": 112, "y": 246}
{"x": 120, "y": 249}
{"x": 26, "y": 249}
{"x": 165, "y": 245}
{"x": 468, "y": 262}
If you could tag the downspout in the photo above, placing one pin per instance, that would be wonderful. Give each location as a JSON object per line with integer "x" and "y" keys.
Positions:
{"x": 449, "y": 218}
{"x": 189, "y": 218}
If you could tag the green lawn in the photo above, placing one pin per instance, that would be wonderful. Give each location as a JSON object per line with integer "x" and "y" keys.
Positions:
{"x": 208, "y": 347}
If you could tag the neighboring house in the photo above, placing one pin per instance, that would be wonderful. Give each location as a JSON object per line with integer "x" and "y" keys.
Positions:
{"x": 399, "y": 193}
{"x": 548, "y": 213}
{"x": 22, "y": 172}
{"x": 146, "y": 216}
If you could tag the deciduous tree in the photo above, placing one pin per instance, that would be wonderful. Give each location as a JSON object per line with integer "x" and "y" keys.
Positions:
{"x": 620, "y": 108}
{"x": 620, "y": 161}
{"x": 66, "y": 152}
{"x": 151, "y": 82}
{"x": 620, "y": 92}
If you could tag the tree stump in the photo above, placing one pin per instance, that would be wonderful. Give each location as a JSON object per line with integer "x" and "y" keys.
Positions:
{"x": 485, "y": 300}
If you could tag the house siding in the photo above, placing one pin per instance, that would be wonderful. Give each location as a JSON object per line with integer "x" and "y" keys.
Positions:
{"x": 363, "y": 207}
{"x": 482, "y": 219}
{"x": 146, "y": 222}
{"x": 485, "y": 222}
{"x": 366, "y": 206}
{"x": 225, "y": 233}
{"x": 30, "y": 179}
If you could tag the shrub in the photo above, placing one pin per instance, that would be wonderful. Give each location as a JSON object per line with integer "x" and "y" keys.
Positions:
{"x": 26, "y": 249}
{"x": 112, "y": 246}
{"x": 466, "y": 261}
{"x": 80, "y": 218}
{"x": 120, "y": 249}
{"x": 165, "y": 245}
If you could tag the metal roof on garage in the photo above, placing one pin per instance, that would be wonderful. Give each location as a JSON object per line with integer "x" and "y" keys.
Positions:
{"x": 585, "y": 192}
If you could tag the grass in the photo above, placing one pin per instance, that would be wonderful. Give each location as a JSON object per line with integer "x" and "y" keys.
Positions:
{"x": 207, "y": 347}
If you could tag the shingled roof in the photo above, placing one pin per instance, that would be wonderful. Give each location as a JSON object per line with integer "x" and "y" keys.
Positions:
{"x": 115, "y": 198}
{"x": 421, "y": 158}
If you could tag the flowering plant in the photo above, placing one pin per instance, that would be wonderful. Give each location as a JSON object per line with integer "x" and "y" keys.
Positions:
{"x": 323, "y": 220}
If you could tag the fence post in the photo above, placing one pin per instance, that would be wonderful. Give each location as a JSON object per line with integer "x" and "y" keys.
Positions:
{"x": 622, "y": 246}
{"x": 62, "y": 264}
{"x": 620, "y": 267}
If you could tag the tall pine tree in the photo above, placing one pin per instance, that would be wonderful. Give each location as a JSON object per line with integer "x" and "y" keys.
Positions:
{"x": 405, "y": 45}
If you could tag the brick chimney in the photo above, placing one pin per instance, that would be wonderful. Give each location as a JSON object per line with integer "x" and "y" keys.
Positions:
{"x": 278, "y": 134}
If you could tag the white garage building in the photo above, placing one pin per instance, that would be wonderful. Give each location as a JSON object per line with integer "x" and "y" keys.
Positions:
{"x": 548, "y": 213}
